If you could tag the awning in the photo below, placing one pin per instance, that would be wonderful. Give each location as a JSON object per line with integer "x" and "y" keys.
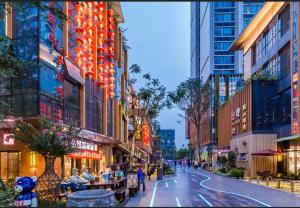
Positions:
{"x": 73, "y": 71}
{"x": 267, "y": 152}
{"x": 297, "y": 136}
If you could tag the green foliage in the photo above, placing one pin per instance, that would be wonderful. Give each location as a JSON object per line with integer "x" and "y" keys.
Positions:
{"x": 47, "y": 137}
{"x": 181, "y": 153}
{"x": 236, "y": 172}
{"x": 149, "y": 99}
{"x": 231, "y": 159}
{"x": 263, "y": 76}
{"x": 222, "y": 160}
{"x": 6, "y": 196}
{"x": 223, "y": 170}
{"x": 54, "y": 204}
{"x": 191, "y": 96}
{"x": 167, "y": 170}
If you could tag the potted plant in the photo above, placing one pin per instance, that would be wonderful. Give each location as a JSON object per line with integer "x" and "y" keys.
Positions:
{"x": 51, "y": 140}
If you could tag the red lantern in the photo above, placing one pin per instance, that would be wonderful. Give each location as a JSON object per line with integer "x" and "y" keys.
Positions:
{"x": 79, "y": 41}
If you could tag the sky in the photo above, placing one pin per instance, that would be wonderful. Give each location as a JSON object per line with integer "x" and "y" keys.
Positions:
{"x": 159, "y": 36}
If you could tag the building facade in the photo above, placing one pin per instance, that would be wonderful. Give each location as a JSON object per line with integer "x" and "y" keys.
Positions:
{"x": 218, "y": 25}
{"x": 167, "y": 143}
{"x": 269, "y": 46}
{"x": 80, "y": 75}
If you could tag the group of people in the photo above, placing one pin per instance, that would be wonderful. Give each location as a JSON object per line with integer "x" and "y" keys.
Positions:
{"x": 193, "y": 163}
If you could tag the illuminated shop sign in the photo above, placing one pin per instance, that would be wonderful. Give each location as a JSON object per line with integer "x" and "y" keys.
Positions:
{"x": 8, "y": 139}
{"x": 87, "y": 154}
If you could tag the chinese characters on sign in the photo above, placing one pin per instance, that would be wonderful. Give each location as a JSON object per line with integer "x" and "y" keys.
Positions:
{"x": 236, "y": 123}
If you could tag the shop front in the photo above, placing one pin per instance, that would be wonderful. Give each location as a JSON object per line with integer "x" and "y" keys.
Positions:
{"x": 290, "y": 160}
{"x": 17, "y": 160}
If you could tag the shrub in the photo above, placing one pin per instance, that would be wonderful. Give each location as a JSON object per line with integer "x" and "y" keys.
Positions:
{"x": 223, "y": 170}
{"x": 236, "y": 172}
{"x": 231, "y": 159}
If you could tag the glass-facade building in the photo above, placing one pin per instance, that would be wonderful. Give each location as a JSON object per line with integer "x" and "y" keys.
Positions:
{"x": 167, "y": 143}
{"x": 214, "y": 27}
{"x": 55, "y": 87}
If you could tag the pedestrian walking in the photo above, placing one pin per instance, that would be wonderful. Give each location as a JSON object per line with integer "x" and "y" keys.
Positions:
{"x": 140, "y": 176}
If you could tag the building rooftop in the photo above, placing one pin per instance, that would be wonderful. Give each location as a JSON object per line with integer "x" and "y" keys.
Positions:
{"x": 249, "y": 35}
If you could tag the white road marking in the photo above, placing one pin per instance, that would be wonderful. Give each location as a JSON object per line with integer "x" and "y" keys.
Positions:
{"x": 153, "y": 195}
{"x": 175, "y": 181}
{"x": 178, "y": 203}
{"x": 207, "y": 202}
{"x": 194, "y": 180}
{"x": 167, "y": 185}
{"x": 228, "y": 192}
{"x": 154, "y": 190}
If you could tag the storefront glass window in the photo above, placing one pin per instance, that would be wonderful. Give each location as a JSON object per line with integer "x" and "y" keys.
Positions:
{"x": 9, "y": 166}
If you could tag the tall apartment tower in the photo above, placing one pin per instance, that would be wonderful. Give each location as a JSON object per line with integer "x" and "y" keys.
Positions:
{"x": 214, "y": 27}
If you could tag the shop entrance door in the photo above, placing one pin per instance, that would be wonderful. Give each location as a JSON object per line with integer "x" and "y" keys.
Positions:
{"x": 9, "y": 166}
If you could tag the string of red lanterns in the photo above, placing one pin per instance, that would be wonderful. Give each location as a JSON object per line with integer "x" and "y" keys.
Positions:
{"x": 90, "y": 22}
{"x": 111, "y": 38}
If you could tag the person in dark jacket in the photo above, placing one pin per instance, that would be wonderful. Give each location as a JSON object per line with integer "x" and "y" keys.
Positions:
{"x": 140, "y": 176}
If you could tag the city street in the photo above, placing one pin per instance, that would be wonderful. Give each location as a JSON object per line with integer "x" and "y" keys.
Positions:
{"x": 198, "y": 188}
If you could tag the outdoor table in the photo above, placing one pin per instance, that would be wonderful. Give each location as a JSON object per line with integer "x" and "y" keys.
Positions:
{"x": 92, "y": 185}
{"x": 112, "y": 184}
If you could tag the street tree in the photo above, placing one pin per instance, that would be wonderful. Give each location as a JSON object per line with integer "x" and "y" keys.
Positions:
{"x": 51, "y": 140}
{"x": 181, "y": 153}
{"x": 146, "y": 102}
{"x": 192, "y": 97}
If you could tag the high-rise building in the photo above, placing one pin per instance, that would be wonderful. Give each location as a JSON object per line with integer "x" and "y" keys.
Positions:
{"x": 214, "y": 27}
{"x": 167, "y": 143}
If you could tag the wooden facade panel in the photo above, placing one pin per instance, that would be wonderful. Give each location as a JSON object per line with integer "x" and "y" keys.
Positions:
{"x": 252, "y": 143}
{"x": 235, "y": 116}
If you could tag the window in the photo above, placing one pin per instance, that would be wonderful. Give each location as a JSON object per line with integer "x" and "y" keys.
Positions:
{"x": 284, "y": 55}
{"x": 51, "y": 108}
{"x": 225, "y": 17}
{"x": 48, "y": 81}
{"x": 222, "y": 46}
{"x": 26, "y": 21}
{"x": 224, "y": 4}
{"x": 72, "y": 102}
{"x": 228, "y": 31}
{"x": 284, "y": 19}
{"x": 224, "y": 60}
{"x": 94, "y": 108}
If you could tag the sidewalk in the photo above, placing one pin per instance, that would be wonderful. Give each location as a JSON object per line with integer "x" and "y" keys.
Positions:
{"x": 142, "y": 199}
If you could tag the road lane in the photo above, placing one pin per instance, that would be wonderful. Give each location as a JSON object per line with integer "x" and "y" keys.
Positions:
{"x": 222, "y": 198}
{"x": 198, "y": 188}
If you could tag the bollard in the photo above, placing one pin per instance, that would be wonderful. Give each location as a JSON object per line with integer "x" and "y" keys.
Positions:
{"x": 278, "y": 184}
{"x": 292, "y": 186}
{"x": 267, "y": 181}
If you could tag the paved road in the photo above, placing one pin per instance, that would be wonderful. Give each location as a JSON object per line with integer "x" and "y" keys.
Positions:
{"x": 198, "y": 188}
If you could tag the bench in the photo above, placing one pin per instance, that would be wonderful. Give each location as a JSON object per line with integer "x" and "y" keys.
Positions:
{"x": 120, "y": 194}
{"x": 133, "y": 189}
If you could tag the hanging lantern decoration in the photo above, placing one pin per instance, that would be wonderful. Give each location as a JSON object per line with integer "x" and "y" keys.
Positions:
{"x": 110, "y": 53}
{"x": 101, "y": 49}
{"x": 95, "y": 55}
